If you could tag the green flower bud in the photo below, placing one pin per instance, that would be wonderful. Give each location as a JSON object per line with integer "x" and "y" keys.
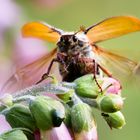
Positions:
{"x": 66, "y": 97}
{"x": 13, "y": 135}
{"x": 6, "y": 99}
{"x": 110, "y": 103}
{"x": 87, "y": 90}
{"x": 83, "y": 79}
{"x": 20, "y": 116}
{"x": 114, "y": 120}
{"x": 47, "y": 112}
{"x": 87, "y": 87}
{"x": 67, "y": 119}
{"x": 82, "y": 118}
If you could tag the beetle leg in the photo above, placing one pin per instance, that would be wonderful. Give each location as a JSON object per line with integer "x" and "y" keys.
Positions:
{"x": 108, "y": 73}
{"x": 46, "y": 75}
{"x": 96, "y": 66}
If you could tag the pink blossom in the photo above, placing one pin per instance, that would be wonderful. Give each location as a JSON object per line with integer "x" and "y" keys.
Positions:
{"x": 87, "y": 135}
{"x": 56, "y": 133}
{"x": 49, "y": 3}
{"x": 111, "y": 85}
{"x": 8, "y": 13}
{"x": 27, "y": 50}
{"x": 4, "y": 125}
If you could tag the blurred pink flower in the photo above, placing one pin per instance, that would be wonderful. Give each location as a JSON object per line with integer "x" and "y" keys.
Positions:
{"x": 4, "y": 125}
{"x": 49, "y": 3}
{"x": 57, "y": 133}
{"x": 8, "y": 14}
{"x": 87, "y": 135}
{"x": 113, "y": 86}
{"x": 27, "y": 50}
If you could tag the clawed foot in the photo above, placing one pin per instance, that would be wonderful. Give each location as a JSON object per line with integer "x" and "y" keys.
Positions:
{"x": 44, "y": 76}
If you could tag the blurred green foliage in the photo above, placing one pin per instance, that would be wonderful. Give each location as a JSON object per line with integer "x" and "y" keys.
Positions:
{"x": 74, "y": 13}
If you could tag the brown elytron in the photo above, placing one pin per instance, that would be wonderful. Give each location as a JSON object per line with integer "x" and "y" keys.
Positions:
{"x": 77, "y": 53}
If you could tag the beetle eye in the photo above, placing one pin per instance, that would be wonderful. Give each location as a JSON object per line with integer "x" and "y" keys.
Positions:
{"x": 74, "y": 39}
{"x": 80, "y": 43}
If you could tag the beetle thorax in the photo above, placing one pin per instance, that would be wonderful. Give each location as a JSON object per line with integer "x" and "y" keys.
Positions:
{"x": 75, "y": 44}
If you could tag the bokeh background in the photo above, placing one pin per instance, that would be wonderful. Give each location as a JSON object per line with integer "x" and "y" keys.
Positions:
{"x": 69, "y": 15}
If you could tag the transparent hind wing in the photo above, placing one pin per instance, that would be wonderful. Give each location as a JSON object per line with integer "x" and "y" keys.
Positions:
{"x": 29, "y": 74}
{"x": 118, "y": 65}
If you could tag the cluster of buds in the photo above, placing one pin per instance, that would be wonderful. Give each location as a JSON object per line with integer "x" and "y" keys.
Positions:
{"x": 66, "y": 113}
{"x": 109, "y": 101}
